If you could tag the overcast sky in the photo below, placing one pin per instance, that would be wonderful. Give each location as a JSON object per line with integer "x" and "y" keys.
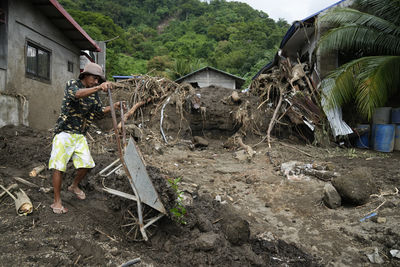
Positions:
{"x": 290, "y": 10}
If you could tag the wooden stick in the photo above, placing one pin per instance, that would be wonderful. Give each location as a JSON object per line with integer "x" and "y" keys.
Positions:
{"x": 301, "y": 151}
{"x": 25, "y": 182}
{"x": 76, "y": 262}
{"x": 272, "y": 122}
{"x": 8, "y": 192}
{"x": 101, "y": 232}
{"x": 90, "y": 136}
{"x": 35, "y": 171}
{"x": 9, "y": 188}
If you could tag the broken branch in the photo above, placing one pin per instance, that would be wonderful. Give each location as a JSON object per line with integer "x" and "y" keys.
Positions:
{"x": 133, "y": 110}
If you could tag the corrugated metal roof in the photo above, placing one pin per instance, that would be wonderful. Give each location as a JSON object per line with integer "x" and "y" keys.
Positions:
{"x": 63, "y": 20}
{"x": 292, "y": 30}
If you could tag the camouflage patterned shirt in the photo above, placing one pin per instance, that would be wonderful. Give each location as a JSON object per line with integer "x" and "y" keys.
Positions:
{"x": 78, "y": 113}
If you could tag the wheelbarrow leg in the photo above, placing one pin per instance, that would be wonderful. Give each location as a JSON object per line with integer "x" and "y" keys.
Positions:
{"x": 140, "y": 215}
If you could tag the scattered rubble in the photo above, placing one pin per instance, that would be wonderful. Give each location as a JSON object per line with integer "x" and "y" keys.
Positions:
{"x": 247, "y": 203}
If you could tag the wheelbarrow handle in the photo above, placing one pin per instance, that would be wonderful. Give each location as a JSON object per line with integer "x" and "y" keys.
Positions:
{"x": 114, "y": 118}
{"x": 123, "y": 124}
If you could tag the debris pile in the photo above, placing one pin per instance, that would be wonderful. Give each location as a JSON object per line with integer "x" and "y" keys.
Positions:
{"x": 169, "y": 112}
{"x": 289, "y": 91}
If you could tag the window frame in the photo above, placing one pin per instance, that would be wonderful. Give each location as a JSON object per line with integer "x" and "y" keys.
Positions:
{"x": 3, "y": 16}
{"x": 35, "y": 75}
{"x": 70, "y": 66}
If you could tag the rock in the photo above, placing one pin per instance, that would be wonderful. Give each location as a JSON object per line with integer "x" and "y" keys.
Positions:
{"x": 331, "y": 197}
{"x": 381, "y": 220}
{"x": 187, "y": 199}
{"x": 158, "y": 148}
{"x": 235, "y": 96}
{"x": 242, "y": 155}
{"x": 200, "y": 141}
{"x": 375, "y": 257}
{"x": 356, "y": 187}
{"x": 206, "y": 241}
{"x": 135, "y": 131}
{"x": 251, "y": 256}
{"x": 236, "y": 230}
{"x": 204, "y": 225}
{"x": 114, "y": 251}
{"x": 168, "y": 246}
{"x": 395, "y": 253}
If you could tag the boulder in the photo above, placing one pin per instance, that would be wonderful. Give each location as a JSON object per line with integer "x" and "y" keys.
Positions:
{"x": 331, "y": 198}
{"x": 207, "y": 241}
{"x": 236, "y": 230}
{"x": 355, "y": 187}
{"x": 200, "y": 141}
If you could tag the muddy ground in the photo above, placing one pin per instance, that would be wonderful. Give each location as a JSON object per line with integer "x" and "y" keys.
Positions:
{"x": 241, "y": 211}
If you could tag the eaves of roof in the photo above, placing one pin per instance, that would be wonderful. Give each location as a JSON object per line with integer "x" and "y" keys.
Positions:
{"x": 291, "y": 31}
{"x": 63, "y": 21}
{"x": 237, "y": 78}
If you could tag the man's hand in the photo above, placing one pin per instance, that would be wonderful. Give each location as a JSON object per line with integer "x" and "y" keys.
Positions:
{"x": 104, "y": 86}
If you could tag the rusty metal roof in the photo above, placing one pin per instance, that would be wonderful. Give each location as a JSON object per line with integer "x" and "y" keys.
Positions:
{"x": 67, "y": 25}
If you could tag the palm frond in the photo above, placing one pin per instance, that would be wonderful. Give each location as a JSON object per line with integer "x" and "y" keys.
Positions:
{"x": 344, "y": 16}
{"x": 368, "y": 80}
{"x": 355, "y": 37}
{"x": 340, "y": 85}
{"x": 379, "y": 79}
{"x": 386, "y": 9}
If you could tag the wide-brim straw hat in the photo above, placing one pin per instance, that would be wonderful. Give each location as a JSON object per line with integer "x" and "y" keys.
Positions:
{"x": 94, "y": 69}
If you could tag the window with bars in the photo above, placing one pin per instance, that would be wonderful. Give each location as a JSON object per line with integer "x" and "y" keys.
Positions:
{"x": 37, "y": 62}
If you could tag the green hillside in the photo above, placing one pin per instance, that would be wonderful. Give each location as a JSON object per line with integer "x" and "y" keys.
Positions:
{"x": 172, "y": 38}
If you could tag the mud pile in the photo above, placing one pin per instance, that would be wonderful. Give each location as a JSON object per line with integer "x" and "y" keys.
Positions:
{"x": 209, "y": 233}
{"x": 91, "y": 233}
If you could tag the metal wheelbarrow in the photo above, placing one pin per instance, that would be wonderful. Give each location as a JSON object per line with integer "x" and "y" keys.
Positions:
{"x": 139, "y": 223}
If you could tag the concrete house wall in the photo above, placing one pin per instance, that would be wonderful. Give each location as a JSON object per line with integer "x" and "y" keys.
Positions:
{"x": 36, "y": 103}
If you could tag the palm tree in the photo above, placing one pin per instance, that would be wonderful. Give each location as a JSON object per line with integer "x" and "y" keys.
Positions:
{"x": 372, "y": 27}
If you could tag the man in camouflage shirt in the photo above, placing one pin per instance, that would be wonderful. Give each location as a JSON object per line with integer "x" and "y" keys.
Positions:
{"x": 80, "y": 106}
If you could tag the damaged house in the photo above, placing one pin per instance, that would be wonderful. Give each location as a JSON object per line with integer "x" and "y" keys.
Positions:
{"x": 208, "y": 76}
{"x": 40, "y": 49}
{"x": 301, "y": 69}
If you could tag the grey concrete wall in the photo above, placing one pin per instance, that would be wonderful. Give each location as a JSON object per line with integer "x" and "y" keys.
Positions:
{"x": 206, "y": 78}
{"x": 14, "y": 110}
{"x": 27, "y": 23}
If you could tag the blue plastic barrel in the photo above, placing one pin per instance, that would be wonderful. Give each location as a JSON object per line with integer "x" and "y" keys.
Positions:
{"x": 384, "y": 137}
{"x": 396, "y": 115}
{"x": 397, "y": 138}
{"x": 363, "y": 139}
{"x": 381, "y": 115}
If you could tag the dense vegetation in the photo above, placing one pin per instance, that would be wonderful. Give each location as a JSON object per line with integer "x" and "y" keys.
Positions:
{"x": 372, "y": 30}
{"x": 174, "y": 37}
